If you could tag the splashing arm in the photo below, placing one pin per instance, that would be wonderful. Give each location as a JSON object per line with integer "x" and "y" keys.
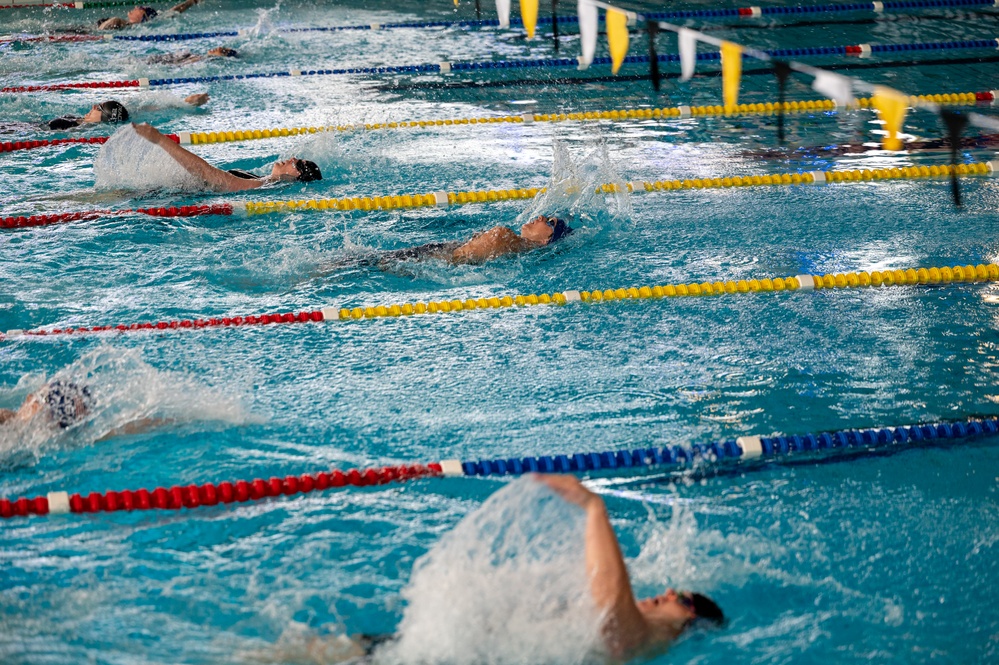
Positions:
{"x": 216, "y": 179}
{"x": 136, "y": 427}
{"x": 5, "y": 415}
{"x": 625, "y": 629}
{"x": 184, "y": 6}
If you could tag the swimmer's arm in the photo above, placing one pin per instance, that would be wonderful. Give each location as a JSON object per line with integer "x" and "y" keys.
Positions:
{"x": 136, "y": 427}
{"x": 184, "y": 6}
{"x": 625, "y": 629}
{"x": 494, "y": 242}
{"x": 217, "y": 179}
{"x": 6, "y": 414}
{"x": 113, "y": 24}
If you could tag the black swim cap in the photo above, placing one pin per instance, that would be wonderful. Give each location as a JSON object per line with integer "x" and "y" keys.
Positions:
{"x": 65, "y": 122}
{"x": 707, "y": 609}
{"x": 559, "y": 229}
{"x": 228, "y": 52}
{"x": 67, "y": 402}
{"x": 112, "y": 111}
{"x": 149, "y": 13}
{"x": 307, "y": 171}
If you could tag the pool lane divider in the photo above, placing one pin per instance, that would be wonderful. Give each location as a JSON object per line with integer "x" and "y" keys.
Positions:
{"x": 859, "y": 50}
{"x": 444, "y": 198}
{"x": 734, "y": 12}
{"x": 744, "y": 448}
{"x": 875, "y": 279}
{"x": 767, "y": 108}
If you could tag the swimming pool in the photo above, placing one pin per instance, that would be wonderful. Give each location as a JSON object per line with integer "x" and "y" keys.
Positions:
{"x": 881, "y": 557}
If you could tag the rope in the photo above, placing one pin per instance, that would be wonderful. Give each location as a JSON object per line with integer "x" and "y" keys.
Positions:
{"x": 854, "y": 50}
{"x": 744, "y": 448}
{"x": 61, "y": 218}
{"x": 45, "y": 143}
{"x": 21, "y": 4}
{"x": 768, "y": 108}
{"x": 874, "y": 279}
{"x": 441, "y": 199}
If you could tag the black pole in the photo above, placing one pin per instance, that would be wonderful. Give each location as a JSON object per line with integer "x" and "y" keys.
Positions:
{"x": 955, "y": 123}
{"x": 781, "y": 71}
{"x": 555, "y": 23}
{"x": 652, "y": 27}
{"x": 478, "y": 10}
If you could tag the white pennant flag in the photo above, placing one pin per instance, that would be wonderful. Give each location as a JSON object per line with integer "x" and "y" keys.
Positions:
{"x": 503, "y": 12}
{"x": 835, "y": 87}
{"x": 688, "y": 53}
{"x": 588, "y": 19}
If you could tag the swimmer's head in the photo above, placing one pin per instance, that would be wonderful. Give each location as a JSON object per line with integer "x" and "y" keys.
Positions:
{"x": 109, "y": 111}
{"x": 674, "y": 611}
{"x": 296, "y": 169}
{"x": 307, "y": 171}
{"x": 545, "y": 230}
{"x": 66, "y": 402}
{"x": 223, "y": 52}
{"x": 141, "y": 14}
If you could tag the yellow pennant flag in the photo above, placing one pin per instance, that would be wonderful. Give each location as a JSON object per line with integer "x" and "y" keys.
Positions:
{"x": 731, "y": 62}
{"x": 617, "y": 37}
{"x": 529, "y": 14}
{"x": 455, "y": 3}
{"x": 892, "y": 106}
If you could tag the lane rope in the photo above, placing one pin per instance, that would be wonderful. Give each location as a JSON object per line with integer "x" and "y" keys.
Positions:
{"x": 859, "y": 50}
{"x": 744, "y": 448}
{"x": 767, "y": 108}
{"x": 445, "y": 199}
{"x": 853, "y": 280}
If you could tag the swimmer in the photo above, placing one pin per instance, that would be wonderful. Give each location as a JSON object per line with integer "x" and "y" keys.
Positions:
{"x": 497, "y": 241}
{"x": 630, "y": 628}
{"x": 110, "y": 112}
{"x": 62, "y": 403}
{"x": 188, "y": 58}
{"x": 983, "y": 142}
{"x": 138, "y": 15}
{"x": 217, "y": 180}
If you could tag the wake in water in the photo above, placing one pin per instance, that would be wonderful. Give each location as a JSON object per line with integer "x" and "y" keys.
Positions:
{"x": 128, "y": 161}
{"x": 507, "y": 585}
{"x": 126, "y": 396}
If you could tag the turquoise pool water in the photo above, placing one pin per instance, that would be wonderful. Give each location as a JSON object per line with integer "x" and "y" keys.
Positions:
{"x": 887, "y": 558}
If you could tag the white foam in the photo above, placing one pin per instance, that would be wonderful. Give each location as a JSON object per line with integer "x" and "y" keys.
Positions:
{"x": 507, "y": 585}
{"x": 128, "y": 161}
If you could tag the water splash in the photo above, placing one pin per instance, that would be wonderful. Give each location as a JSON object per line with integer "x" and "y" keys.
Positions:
{"x": 126, "y": 391}
{"x": 572, "y": 189}
{"x": 128, "y": 161}
{"x": 507, "y": 585}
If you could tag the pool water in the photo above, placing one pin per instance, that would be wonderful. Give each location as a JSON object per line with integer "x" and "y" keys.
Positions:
{"x": 890, "y": 558}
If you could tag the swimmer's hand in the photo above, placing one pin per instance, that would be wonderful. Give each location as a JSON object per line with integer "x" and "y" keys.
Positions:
{"x": 199, "y": 99}
{"x": 148, "y": 132}
{"x": 569, "y": 488}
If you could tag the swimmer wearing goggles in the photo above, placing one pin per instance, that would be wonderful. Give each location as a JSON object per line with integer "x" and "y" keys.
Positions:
{"x": 110, "y": 111}
{"x": 217, "y": 180}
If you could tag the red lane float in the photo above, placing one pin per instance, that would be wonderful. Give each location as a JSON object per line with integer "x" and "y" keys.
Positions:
{"x": 60, "y": 218}
{"x": 314, "y": 316}
{"x": 193, "y": 496}
{"x": 11, "y": 146}
{"x": 68, "y": 86}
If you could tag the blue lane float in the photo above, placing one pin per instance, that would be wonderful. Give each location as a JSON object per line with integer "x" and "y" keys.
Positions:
{"x": 447, "y": 67}
{"x": 743, "y": 12}
{"x": 745, "y": 448}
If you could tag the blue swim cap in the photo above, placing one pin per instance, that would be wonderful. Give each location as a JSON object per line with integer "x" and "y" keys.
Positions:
{"x": 559, "y": 229}
{"x": 67, "y": 402}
